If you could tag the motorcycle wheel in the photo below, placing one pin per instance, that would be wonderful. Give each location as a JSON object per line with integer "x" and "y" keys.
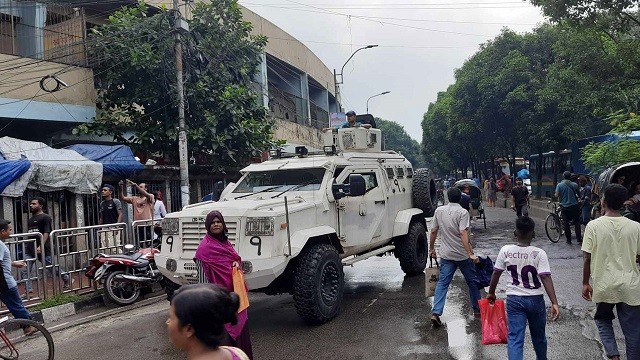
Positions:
{"x": 121, "y": 292}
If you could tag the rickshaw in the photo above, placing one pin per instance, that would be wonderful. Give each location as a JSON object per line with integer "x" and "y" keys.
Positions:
{"x": 631, "y": 173}
{"x": 476, "y": 197}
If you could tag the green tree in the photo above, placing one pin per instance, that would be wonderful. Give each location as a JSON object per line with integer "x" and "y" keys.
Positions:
{"x": 599, "y": 156}
{"x": 135, "y": 79}
{"x": 612, "y": 16}
{"x": 395, "y": 137}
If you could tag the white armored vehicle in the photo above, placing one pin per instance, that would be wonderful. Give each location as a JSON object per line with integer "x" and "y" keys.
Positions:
{"x": 296, "y": 221}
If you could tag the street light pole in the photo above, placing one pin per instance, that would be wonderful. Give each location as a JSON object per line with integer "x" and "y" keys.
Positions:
{"x": 335, "y": 75}
{"x": 371, "y": 97}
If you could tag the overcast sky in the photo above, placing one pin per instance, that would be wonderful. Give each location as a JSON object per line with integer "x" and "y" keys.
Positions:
{"x": 421, "y": 43}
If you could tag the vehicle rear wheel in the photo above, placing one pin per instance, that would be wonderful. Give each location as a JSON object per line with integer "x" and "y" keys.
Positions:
{"x": 424, "y": 192}
{"x": 121, "y": 292}
{"x": 553, "y": 227}
{"x": 318, "y": 284}
{"x": 413, "y": 249}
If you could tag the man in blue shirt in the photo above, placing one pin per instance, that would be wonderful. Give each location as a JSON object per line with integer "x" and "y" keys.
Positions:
{"x": 8, "y": 287}
{"x": 567, "y": 195}
{"x": 351, "y": 121}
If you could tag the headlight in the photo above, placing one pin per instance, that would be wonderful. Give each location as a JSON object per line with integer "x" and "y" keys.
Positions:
{"x": 170, "y": 226}
{"x": 259, "y": 226}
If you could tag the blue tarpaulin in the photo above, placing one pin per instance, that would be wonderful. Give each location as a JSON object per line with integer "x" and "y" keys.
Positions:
{"x": 116, "y": 160}
{"x": 11, "y": 170}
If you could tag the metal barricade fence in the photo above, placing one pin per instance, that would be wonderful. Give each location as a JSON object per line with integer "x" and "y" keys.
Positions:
{"x": 142, "y": 233}
{"x": 77, "y": 246}
{"x": 31, "y": 284}
{"x": 60, "y": 268}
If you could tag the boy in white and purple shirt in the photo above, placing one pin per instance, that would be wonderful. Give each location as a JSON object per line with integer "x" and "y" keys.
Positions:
{"x": 530, "y": 271}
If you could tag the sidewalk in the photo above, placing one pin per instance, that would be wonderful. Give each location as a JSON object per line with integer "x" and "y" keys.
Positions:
{"x": 68, "y": 315}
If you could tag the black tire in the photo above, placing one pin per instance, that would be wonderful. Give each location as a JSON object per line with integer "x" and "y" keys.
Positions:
{"x": 170, "y": 288}
{"x": 17, "y": 346}
{"x": 318, "y": 284}
{"x": 413, "y": 250}
{"x": 553, "y": 227}
{"x": 121, "y": 292}
{"x": 424, "y": 192}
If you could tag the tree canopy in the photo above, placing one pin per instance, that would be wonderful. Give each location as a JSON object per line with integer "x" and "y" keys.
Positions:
{"x": 395, "y": 137}
{"x": 599, "y": 156}
{"x": 135, "y": 80}
{"x": 524, "y": 94}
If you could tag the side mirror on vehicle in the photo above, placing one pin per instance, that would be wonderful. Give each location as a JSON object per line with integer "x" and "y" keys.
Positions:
{"x": 355, "y": 187}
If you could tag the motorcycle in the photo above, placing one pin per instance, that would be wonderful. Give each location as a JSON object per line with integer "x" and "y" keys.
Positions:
{"x": 125, "y": 275}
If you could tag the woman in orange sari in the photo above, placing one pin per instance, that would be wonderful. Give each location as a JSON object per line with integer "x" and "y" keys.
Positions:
{"x": 216, "y": 258}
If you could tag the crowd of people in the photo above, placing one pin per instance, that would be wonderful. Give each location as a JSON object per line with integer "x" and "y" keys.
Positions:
{"x": 611, "y": 274}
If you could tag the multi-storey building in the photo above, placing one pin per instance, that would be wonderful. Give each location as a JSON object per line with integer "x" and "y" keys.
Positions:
{"x": 47, "y": 88}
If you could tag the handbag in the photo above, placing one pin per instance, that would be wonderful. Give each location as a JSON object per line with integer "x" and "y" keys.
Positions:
{"x": 431, "y": 278}
{"x": 240, "y": 288}
{"x": 494, "y": 322}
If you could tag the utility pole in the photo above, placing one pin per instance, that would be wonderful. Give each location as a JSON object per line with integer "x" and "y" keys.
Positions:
{"x": 180, "y": 24}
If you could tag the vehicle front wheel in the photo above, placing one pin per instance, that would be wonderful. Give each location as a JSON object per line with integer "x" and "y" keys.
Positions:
{"x": 413, "y": 249}
{"x": 121, "y": 292}
{"x": 318, "y": 284}
{"x": 169, "y": 288}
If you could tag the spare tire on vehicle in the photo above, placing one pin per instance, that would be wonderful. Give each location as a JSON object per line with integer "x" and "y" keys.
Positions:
{"x": 424, "y": 191}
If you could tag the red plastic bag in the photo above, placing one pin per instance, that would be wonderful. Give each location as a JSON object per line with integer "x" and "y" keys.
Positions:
{"x": 494, "y": 322}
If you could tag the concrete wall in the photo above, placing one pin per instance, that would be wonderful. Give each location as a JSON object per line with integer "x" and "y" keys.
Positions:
{"x": 287, "y": 48}
{"x": 298, "y": 134}
{"x": 78, "y": 100}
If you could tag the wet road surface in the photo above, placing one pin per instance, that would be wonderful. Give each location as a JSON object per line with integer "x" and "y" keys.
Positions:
{"x": 384, "y": 316}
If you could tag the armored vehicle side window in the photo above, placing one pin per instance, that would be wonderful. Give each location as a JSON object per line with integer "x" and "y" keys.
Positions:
{"x": 280, "y": 180}
{"x": 400, "y": 172}
{"x": 409, "y": 172}
{"x": 370, "y": 180}
{"x": 390, "y": 173}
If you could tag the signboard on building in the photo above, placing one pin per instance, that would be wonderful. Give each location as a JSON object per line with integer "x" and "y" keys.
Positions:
{"x": 337, "y": 119}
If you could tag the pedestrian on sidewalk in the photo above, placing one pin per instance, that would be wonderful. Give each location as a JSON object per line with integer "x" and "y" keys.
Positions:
{"x": 611, "y": 248}
{"x": 520, "y": 198}
{"x": 110, "y": 213}
{"x": 9, "y": 294}
{"x": 530, "y": 272}
{"x": 584, "y": 199}
{"x": 196, "y": 322}
{"x": 215, "y": 259}
{"x": 452, "y": 221}
{"x": 493, "y": 192}
{"x": 40, "y": 222}
{"x": 142, "y": 208}
{"x": 567, "y": 195}
{"x": 159, "y": 212}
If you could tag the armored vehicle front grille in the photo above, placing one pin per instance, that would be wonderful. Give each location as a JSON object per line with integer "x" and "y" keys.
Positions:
{"x": 193, "y": 232}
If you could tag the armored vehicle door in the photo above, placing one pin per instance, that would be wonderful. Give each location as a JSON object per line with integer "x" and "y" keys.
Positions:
{"x": 361, "y": 217}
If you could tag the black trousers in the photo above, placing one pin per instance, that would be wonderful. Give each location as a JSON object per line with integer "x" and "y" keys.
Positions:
{"x": 571, "y": 213}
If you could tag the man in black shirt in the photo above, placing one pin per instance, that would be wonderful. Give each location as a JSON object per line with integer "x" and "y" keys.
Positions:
{"x": 110, "y": 213}
{"x": 39, "y": 222}
{"x": 520, "y": 198}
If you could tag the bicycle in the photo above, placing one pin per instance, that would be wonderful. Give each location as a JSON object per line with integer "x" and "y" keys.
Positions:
{"x": 15, "y": 345}
{"x": 553, "y": 224}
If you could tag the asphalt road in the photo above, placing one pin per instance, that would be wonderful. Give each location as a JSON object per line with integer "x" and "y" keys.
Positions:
{"x": 384, "y": 316}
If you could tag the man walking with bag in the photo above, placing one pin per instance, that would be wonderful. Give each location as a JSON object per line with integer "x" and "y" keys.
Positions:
{"x": 610, "y": 251}
{"x": 452, "y": 221}
{"x": 567, "y": 195}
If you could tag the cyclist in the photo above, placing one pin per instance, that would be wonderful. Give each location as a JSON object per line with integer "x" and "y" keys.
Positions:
{"x": 567, "y": 195}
